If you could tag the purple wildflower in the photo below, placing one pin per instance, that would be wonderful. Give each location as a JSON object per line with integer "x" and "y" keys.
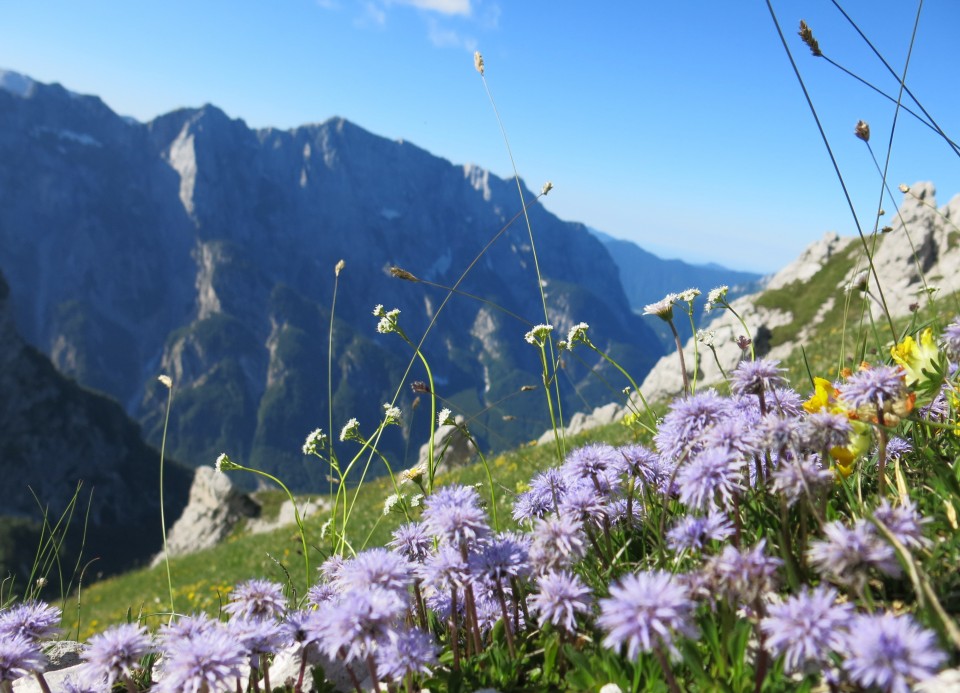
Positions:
{"x": 898, "y": 447}
{"x": 561, "y": 594}
{"x": 558, "y": 542}
{"x": 115, "y": 653}
{"x": 904, "y": 522}
{"x": 453, "y": 513}
{"x": 599, "y": 463}
{"x": 445, "y": 569}
{"x": 806, "y": 628}
{"x": 412, "y": 541}
{"x": 320, "y": 593}
{"x": 583, "y": 503}
{"x": 846, "y": 553}
{"x": 209, "y": 660}
{"x": 641, "y": 462}
{"x": 824, "y": 430}
{"x": 687, "y": 420}
{"x": 303, "y": 626}
{"x": 356, "y": 625}
{"x": 407, "y": 651}
{"x": 951, "y": 340}
{"x": 375, "y": 568}
{"x": 186, "y": 629}
{"x": 644, "y": 611}
{"x": 734, "y": 435}
{"x": 258, "y": 599}
{"x": 19, "y": 656}
{"x": 258, "y": 636}
{"x": 34, "y": 620}
{"x": 754, "y": 377}
{"x": 779, "y": 434}
{"x": 798, "y": 477}
{"x": 742, "y": 576}
{"x": 504, "y": 557}
{"x": 890, "y": 652}
{"x": 692, "y": 533}
{"x": 873, "y": 387}
{"x": 785, "y": 401}
{"x": 330, "y": 568}
{"x": 712, "y": 475}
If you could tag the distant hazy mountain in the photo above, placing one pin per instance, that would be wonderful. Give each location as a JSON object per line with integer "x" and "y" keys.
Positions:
{"x": 647, "y": 278}
{"x": 54, "y": 434}
{"x": 196, "y": 246}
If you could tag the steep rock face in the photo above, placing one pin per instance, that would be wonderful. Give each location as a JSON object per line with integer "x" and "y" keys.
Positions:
{"x": 55, "y": 435}
{"x": 196, "y": 246}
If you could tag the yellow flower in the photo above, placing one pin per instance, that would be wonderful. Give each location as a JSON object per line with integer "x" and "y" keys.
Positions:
{"x": 823, "y": 396}
{"x": 916, "y": 358}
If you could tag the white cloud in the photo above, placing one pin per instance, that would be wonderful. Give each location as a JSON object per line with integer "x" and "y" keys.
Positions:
{"x": 444, "y": 37}
{"x": 448, "y": 7}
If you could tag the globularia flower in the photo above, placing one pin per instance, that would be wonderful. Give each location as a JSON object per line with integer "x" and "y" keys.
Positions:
{"x": 807, "y": 628}
{"x": 846, "y": 553}
{"x": 890, "y": 653}
{"x": 898, "y": 447}
{"x": 258, "y": 636}
{"x": 688, "y": 419}
{"x": 412, "y": 541}
{"x": 355, "y": 625}
{"x": 504, "y": 557}
{"x": 19, "y": 656}
{"x": 801, "y": 477}
{"x": 951, "y": 340}
{"x": 375, "y": 568}
{"x": 560, "y": 596}
{"x": 186, "y": 628}
{"x": 210, "y": 660}
{"x": 258, "y": 600}
{"x": 594, "y": 461}
{"x": 583, "y": 503}
{"x": 904, "y": 522}
{"x": 754, "y": 377}
{"x": 454, "y": 514}
{"x": 712, "y": 475}
{"x": 692, "y": 533}
{"x": 558, "y": 542}
{"x": 873, "y": 387}
{"x": 115, "y": 653}
{"x": 34, "y": 620}
{"x": 406, "y": 651}
{"x": 645, "y": 611}
{"x": 824, "y": 430}
{"x": 743, "y": 576}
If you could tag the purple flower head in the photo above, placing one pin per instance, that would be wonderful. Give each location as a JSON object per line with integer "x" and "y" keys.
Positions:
{"x": 904, "y": 522}
{"x": 779, "y": 434}
{"x": 453, "y": 514}
{"x": 898, "y": 447}
{"x": 531, "y": 505}
{"x": 688, "y": 419}
{"x": 506, "y": 556}
{"x": 258, "y": 636}
{"x": 641, "y": 462}
{"x": 890, "y": 653}
{"x": 406, "y": 651}
{"x": 617, "y": 509}
{"x": 735, "y": 435}
{"x": 19, "y": 656}
{"x": 806, "y": 628}
{"x": 824, "y": 430}
{"x": 303, "y": 626}
{"x": 583, "y": 503}
{"x": 786, "y": 402}
{"x": 846, "y": 553}
{"x": 330, "y": 568}
{"x": 208, "y": 661}
{"x": 558, "y": 542}
{"x": 692, "y": 533}
{"x": 711, "y": 476}
{"x": 34, "y": 620}
{"x": 115, "y": 653}
{"x": 873, "y": 387}
{"x": 445, "y": 569}
{"x": 755, "y": 377}
{"x": 186, "y": 629}
{"x": 561, "y": 594}
{"x": 357, "y": 624}
{"x": 258, "y": 599}
{"x": 743, "y": 576}
{"x": 375, "y": 568}
{"x": 412, "y": 541}
{"x": 320, "y": 593}
{"x": 798, "y": 478}
{"x": 595, "y": 462}
{"x": 951, "y": 341}
{"x": 644, "y": 611}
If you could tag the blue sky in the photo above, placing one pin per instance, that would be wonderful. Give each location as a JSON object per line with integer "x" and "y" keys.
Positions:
{"x": 678, "y": 125}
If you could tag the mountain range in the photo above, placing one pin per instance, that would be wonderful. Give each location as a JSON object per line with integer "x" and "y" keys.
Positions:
{"x": 195, "y": 246}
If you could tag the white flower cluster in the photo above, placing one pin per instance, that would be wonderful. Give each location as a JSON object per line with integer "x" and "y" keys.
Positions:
{"x": 718, "y": 295}
{"x": 445, "y": 418}
{"x": 663, "y": 308}
{"x": 314, "y": 443}
{"x": 538, "y": 335}
{"x": 391, "y": 414}
{"x": 388, "y": 319}
{"x": 351, "y": 429}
